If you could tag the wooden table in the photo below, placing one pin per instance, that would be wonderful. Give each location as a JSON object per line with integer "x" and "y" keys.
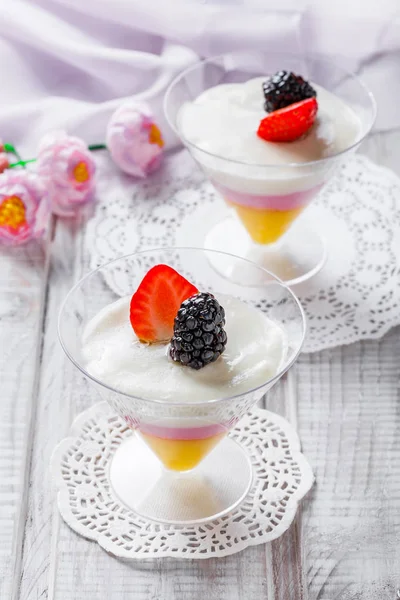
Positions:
{"x": 345, "y": 543}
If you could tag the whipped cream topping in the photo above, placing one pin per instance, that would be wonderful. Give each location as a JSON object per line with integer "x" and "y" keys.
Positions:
{"x": 112, "y": 353}
{"x": 224, "y": 120}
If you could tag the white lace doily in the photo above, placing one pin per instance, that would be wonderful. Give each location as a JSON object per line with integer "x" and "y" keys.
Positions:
{"x": 80, "y": 468}
{"x": 356, "y": 295}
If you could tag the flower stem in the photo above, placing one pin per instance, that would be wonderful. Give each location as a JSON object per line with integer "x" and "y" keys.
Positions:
{"x": 12, "y": 150}
{"x": 21, "y": 163}
{"x": 95, "y": 147}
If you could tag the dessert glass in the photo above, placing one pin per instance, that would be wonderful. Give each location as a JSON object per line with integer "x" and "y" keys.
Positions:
{"x": 180, "y": 466}
{"x": 266, "y": 200}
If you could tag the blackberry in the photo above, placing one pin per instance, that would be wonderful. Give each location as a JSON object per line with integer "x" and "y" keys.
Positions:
{"x": 283, "y": 89}
{"x": 199, "y": 335}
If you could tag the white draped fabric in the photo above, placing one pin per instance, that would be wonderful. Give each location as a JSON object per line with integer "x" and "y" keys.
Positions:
{"x": 69, "y": 63}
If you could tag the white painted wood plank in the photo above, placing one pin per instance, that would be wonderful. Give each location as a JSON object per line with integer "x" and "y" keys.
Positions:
{"x": 349, "y": 421}
{"x": 23, "y": 281}
{"x": 53, "y": 416}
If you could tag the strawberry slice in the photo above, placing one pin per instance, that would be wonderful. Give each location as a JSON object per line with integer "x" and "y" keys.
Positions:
{"x": 289, "y": 123}
{"x": 156, "y": 302}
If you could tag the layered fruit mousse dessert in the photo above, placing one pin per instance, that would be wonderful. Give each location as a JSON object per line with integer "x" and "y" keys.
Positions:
{"x": 263, "y": 145}
{"x": 173, "y": 343}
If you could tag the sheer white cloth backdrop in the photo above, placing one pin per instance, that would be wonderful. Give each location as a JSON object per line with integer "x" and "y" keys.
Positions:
{"x": 68, "y": 63}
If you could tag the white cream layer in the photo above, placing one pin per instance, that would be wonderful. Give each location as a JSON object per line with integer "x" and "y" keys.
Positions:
{"x": 224, "y": 120}
{"x": 112, "y": 353}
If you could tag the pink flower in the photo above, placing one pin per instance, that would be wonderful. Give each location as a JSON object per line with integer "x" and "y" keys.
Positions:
{"x": 68, "y": 168}
{"x": 24, "y": 207}
{"x": 134, "y": 140}
{"x": 3, "y": 161}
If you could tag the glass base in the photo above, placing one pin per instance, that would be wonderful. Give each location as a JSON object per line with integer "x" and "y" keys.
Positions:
{"x": 297, "y": 256}
{"x": 215, "y": 487}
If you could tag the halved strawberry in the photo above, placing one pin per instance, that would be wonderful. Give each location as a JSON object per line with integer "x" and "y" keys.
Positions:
{"x": 289, "y": 123}
{"x": 156, "y": 302}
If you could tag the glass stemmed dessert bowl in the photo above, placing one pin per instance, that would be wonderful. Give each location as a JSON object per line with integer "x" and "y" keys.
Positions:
{"x": 181, "y": 354}
{"x": 269, "y": 130}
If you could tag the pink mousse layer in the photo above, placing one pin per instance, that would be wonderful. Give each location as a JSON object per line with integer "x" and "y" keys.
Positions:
{"x": 182, "y": 433}
{"x": 269, "y": 202}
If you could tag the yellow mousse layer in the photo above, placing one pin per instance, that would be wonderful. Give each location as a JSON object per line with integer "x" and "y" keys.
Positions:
{"x": 181, "y": 455}
{"x": 266, "y": 226}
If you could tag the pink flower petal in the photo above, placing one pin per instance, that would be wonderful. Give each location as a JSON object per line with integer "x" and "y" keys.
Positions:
{"x": 134, "y": 140}
{"x": 59, "y": 157}
{"x": 24, "y": 207}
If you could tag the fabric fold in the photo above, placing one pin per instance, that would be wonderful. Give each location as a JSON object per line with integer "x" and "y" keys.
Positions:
{"x": 68, "y": 64}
